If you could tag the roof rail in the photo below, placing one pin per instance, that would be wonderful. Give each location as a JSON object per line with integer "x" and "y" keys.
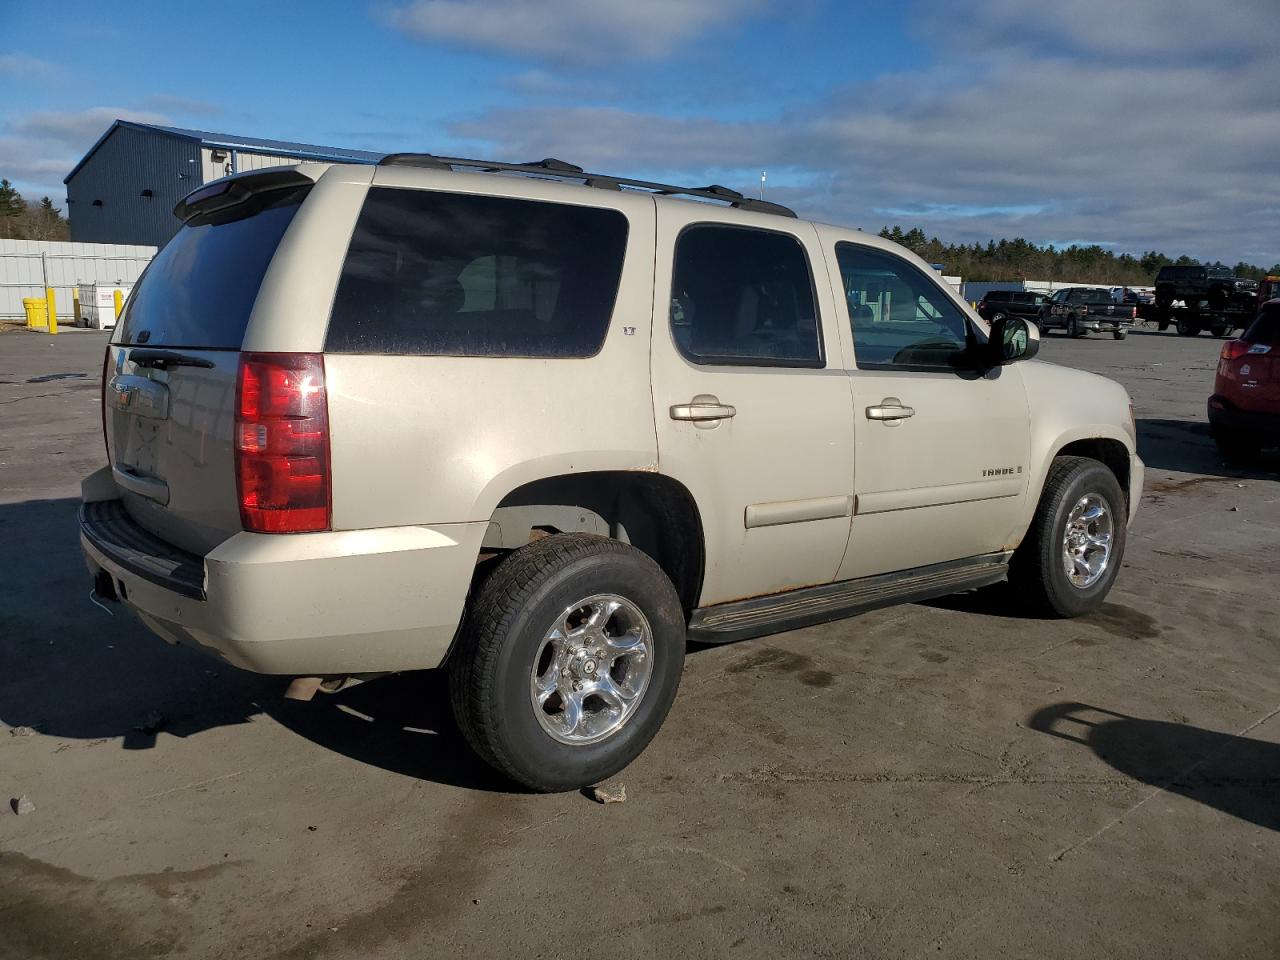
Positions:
{"x": 551, "y": 167}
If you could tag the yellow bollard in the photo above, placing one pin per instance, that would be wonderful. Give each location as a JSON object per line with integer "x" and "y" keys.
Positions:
{"x": 75, "y": 306}
{"x": 53, "y": 309}
{"x": 119, "y": 299}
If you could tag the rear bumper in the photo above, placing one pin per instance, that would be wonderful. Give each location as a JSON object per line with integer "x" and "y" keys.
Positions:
{"x": 346, "y": 602}
{"x": 1226, "y": 417}
{"x": 1101, "y": 325}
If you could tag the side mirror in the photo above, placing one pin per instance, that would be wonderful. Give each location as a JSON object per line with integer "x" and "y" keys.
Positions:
{"x": 1012, "y": 339}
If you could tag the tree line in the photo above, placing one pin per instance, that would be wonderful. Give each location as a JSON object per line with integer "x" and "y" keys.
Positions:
{"x": 1020, "y": 259}
{"x": 20, "y": 220}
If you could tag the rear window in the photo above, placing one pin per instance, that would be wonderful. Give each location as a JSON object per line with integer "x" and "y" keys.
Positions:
{"x": 450, "y": 274}
{"x": 199, "y": 290}
{"x": 1265, "y": 329}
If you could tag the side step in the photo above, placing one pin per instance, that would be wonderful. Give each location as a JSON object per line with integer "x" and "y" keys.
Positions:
{"x": 759, "y": 616}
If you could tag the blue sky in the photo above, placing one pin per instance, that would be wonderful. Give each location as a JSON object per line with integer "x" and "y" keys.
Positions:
{"x": 1148, "y": 124}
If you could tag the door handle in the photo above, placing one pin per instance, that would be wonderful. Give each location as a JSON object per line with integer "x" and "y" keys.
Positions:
{"x": 890, "y": 410}
{"x": 703, "y": 408}
{"x": 153, "y": 488}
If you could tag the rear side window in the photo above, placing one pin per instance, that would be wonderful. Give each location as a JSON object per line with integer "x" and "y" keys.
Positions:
{"x": 199, "y": 290}
{"x": 743, "y": 296}
{"x": 450, "y": 274}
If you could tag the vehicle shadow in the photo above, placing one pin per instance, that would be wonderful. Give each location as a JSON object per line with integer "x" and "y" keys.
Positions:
{"x": 71, "y": 671}
{"x": 1234, "y": 774}
{"x": 1185, "y": 446}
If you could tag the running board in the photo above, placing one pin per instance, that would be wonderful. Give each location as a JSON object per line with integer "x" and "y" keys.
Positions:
{"x": 726, "y": 622}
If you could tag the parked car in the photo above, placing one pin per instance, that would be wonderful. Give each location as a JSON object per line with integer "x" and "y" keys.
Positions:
{"x": 537, "y": 431}
{"x": 1084, "y": 310}
{"x": 1196, "y": 284}
{"x": 1010, "y": 303}
{"x": 1244, "y": 411}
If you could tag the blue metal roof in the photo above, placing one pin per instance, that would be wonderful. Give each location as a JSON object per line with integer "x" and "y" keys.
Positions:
{"x": 283, "y": 148}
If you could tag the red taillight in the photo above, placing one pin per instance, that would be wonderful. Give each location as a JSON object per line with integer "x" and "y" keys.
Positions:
{"x": 282, "y": 443}
{"x": 1134, "y": 315}
{"x": 1234, "y": 349}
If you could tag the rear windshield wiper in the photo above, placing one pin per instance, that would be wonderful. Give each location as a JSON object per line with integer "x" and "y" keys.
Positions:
{"x": 164, "y": 359}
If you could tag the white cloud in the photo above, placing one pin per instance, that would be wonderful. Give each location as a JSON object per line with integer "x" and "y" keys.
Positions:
{"x": 39, "y": 149}
{"x": 577, "y": 31}
{"x": 24, "y": 64}
{"x": 1163, "y": 151}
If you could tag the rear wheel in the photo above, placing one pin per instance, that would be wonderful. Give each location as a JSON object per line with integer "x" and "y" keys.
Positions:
{"x": 568, "y": 662}
{"x": 1188, "y": 327}
{"x": 1120, "y": 334}
{"x": 1073, "y": 328}
{"x": 1069, "y": 559}
{"x": 1219, "y": 330}
{"x": 1162, "y": 325}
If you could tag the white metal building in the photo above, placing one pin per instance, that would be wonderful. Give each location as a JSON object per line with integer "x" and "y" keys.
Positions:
{"x": 125, "y": 188}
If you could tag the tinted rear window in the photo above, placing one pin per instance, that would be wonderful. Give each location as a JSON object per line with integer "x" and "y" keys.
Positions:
{"x": 453, "y": 274}
{"x": 1265, "y": 329}
{"x": 200, "y": 289}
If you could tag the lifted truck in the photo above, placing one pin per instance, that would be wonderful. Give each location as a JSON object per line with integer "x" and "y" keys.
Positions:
{"x": 1194, "y": 298}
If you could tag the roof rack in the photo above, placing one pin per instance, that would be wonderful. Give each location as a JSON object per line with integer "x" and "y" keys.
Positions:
{"x": 551, "y": 167}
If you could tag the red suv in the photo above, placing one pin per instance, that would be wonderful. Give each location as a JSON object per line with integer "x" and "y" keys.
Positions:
{"x": 1244, "y": 411}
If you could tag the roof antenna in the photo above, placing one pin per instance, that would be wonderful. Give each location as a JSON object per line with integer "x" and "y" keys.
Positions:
{"x": 764, "y": 175}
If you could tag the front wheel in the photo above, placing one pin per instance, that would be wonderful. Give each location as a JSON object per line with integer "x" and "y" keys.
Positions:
{"x": 1069, "y": 559}
{"x": 1120, "y": 334}
{"x": 1073, "y": 328}
{"x": 568, "y": 661}
{"x": 1188, "y": 327}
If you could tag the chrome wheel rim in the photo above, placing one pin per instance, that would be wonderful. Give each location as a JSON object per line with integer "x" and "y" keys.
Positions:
{"x": 1086, "y": 542}
{"x": 592, "y": 669}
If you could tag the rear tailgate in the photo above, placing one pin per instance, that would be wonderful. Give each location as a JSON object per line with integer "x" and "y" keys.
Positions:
{"x": 171, "y": 369}
{"x": 1257, "y": 372}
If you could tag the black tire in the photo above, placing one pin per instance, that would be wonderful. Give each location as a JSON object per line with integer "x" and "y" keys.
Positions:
{"x": 490, "y": 670}
{"x": 1237, "y": 447}
{"x": 1037, "y": 572}
{"x": 1120, "y": 334}
{"x": 1073, "y": 328}
{"x": 1219, "y": 330}
{"x": 1188, "y": 327}
{"x": 1162, "y": 325}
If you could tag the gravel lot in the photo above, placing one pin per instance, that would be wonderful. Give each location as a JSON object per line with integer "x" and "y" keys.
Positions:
{"x": 942, "y": 780}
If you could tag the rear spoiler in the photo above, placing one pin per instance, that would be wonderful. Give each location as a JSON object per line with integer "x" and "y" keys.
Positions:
{"x": 236, "y": 189}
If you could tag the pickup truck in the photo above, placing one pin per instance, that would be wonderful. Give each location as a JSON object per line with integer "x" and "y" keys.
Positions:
{"x": 1084, "y": 310}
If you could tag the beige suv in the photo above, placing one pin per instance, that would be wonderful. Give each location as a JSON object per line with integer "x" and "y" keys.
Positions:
{"x": 538, "y": 427}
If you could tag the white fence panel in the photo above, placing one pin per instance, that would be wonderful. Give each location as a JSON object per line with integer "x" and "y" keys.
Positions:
{"x": 27, "y": 266}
